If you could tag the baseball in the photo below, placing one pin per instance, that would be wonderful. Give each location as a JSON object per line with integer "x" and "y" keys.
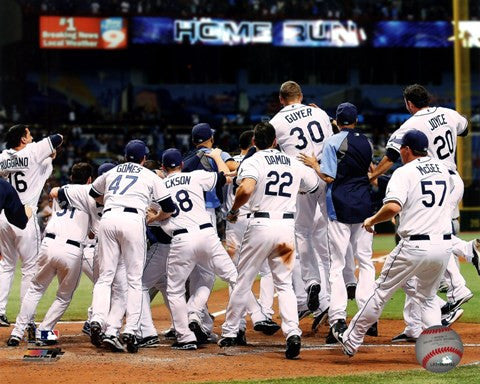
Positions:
{"x": 439, "y": 349}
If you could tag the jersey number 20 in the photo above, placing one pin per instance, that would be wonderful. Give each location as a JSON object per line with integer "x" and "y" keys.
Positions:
{"x": 445, "y": 148}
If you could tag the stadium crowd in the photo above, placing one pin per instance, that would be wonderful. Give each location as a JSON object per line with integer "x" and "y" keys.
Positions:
{"x": 366, "y": 10}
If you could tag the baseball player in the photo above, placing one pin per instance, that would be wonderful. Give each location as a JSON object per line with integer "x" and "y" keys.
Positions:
{"x": 202, "y": 279}
{"x": 301, "y": 128}
{"x": 28, "y": 165}
{"x": 60, "y": 255}
{"x": 261, "y": 312}
{"x": 441, "y": 126}
{"x": 194, "y": 241}
{"x": 269, "y": 183}
{"x": 89, "y": 261}
{"x": 419, "y": 192}
{"x": 346, "y": 159}
{"x": 127, "y": 191}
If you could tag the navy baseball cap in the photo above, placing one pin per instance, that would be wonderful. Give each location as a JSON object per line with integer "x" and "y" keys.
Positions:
{"x": 346, "y": 114}
{"x": 105, "y": 167}
{"x": 415, "y": 140}
{"x": 135, "y": 150}
{"x": 201, "y": 132}
{"x": 172, "y": 158}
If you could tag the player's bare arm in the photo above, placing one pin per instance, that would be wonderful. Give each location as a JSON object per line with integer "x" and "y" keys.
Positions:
{"x": 153, "y": 215}
{"x": 312, "y": 162}
{"x": 28, "y": 211}
{"x": 216, "y": 155}
{"x": 382, "y": 167}
{"x": 386, "y": 213}
{"x": 244, "y": 191}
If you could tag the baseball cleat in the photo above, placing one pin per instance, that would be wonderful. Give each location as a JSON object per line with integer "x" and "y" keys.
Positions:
{"x": 96, "y": 334}
{"x": 303, "y": 313}
{"x": 351, "y": 290}
{"x": 226, "y": 342}
{"x": 113, "y": 343}
{"x": 373, "y": 330}
{"x": 241, "y": 338}
{"x": 130, "y": 342}
{"x": 452, "y": 317}
{"x": 294, "y": 344}
{"x": 267, "y": 327}
{"x": 403, "y": 338}
{"x": 13, "y": 341}
{"x": 319, "y": 319}
{"x": 149, "y": 342}
{"x": 330, "y": 339}
{"x": 339, "y": 336}
{"x": 450, "y": 307}
{"x": 86, "y": 328}
{"x": 189, "y": 346}
{"x": 170, "y": 334}
{"x": 476, "y": 252}
{"x": 212, "y": 338}
{"x": 313, "y": 301}
{"x": 4, "y": 321}
{"x": 201, "y": 336}
{"x": 443, "y": 288}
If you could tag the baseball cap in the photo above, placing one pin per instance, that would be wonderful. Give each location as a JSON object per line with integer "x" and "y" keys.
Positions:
{"x": 135, "y": 150}
{"x": 105, "y": 167}
{"x": 415, "y": 140}
{"x": 346, "y": 114}
{"x": 201, "y": 132}
{"x": 172, "y": 158}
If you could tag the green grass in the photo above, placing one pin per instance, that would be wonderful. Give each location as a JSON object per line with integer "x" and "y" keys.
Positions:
{"x": 461, "y": 375}
{"x": 382, "y": 243}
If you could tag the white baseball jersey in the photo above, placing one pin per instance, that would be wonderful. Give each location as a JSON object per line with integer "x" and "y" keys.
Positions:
{"x": 231, "y": 189}
{"x": 28, "y": 169}
{"x": 80, "y": 216}
{"x": 279, "y": 177}
{"x": 422, "y": 188}
{"x": 129, "y": 185}
{"x": 187, "y": 190}
{"x": 300, "y": 128}
{"x": 441, "y": 125}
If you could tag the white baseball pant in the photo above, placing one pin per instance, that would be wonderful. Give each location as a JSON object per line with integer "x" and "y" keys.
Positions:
{"x": 121, "y": 236}
{"x": 340, "y": 236}
{"x": 304, "y": 233}
{"x": 56, "y": 258}
{"x": 188, "y": 249}
{"x": 272, "y": 240}
{"x": 154, "y": 275}
{"x": 15, "y": 244}
{"x": 425, "y": 259}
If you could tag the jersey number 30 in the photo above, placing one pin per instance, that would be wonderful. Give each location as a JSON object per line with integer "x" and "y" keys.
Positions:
{"x": 314, "y": 130}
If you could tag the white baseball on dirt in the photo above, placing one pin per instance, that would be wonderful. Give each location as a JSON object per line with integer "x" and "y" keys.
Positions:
{"x": 439, "y": 349}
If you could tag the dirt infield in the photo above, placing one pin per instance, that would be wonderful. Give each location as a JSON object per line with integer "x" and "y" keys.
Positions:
{"x": 263, "y": 358}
